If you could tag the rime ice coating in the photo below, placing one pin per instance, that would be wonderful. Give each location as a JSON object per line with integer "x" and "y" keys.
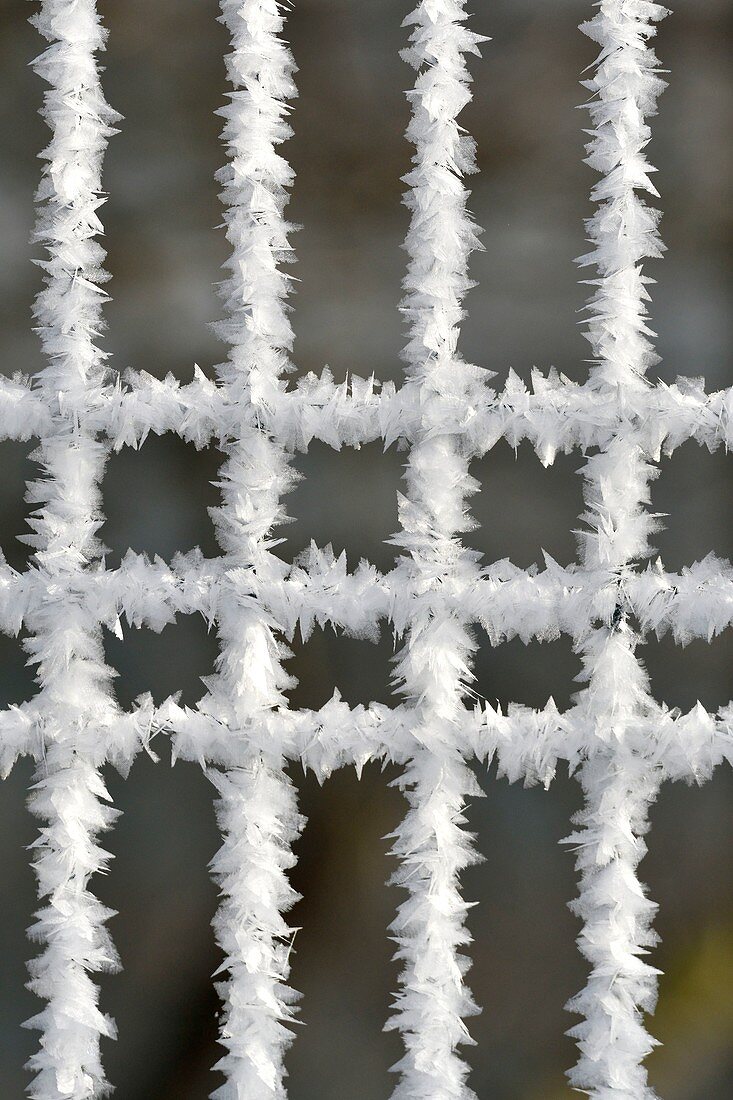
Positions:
{"x": 257, "y": 807}
{"x": 65, "y": 643}
{"x": 620, "y": 740}
{"x": 619, "y": 784}
{"x": 433, "y": 668}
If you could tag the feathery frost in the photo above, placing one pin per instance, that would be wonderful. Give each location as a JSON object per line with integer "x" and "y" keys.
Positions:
{"x": 257, "y": 808}
{"x": 432, "y": 670}
{"x": 621, "y": 743}
{"x": 65, "y": 639}
{"x": 618, "y": 784}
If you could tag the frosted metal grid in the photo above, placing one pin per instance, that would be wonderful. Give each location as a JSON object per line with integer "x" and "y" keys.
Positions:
{"x": 618, "y": 740}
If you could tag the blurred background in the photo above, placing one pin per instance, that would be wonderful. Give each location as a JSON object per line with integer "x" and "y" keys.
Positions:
{"x": 164, "y": 73}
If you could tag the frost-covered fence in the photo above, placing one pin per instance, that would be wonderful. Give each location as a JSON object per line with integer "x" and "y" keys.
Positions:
{"x": 619, "y": 741}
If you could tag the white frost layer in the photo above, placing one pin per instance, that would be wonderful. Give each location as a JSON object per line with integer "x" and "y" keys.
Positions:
{"x": 433, "y": 671}
{"x": 619, "y": 785}
{"x": 65, "y": 642}
{"x": 257, "y": 807}
{"x": 621, "y": 742}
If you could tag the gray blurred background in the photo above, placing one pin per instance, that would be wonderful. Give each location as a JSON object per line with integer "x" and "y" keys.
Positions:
{"x": 165, "y": 74}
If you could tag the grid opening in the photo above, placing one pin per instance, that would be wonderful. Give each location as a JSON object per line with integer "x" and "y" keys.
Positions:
{"x": 169, "y": 663}
{"x": 17, "y": 680}
{"x": 360, "y": 670}
{"x": 18, "y": 830}
{"x": 347, "y": 201}
{"x": 693, "y": 489}
{"x": 160, "y": 169}
{"x": 17, "y": 471}
{"x": 515, "y": 672}
{"x": 683, "y": 675}
{"x": 326, "y": 509}
{"x": 156, "y": 499}
{"x": 163, "y": 1000}
{"x": 525, "y": 962}
{"x": 688, "y": 838}
{"x": 341, "y": 957}
{"x": 530, "y": 194}
{"x": 522, "y": 508}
